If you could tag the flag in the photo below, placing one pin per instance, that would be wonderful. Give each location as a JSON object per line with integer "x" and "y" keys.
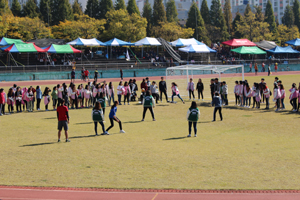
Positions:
{"x": 127, "y": 56}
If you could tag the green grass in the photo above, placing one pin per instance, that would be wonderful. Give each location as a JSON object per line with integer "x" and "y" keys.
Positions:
{"x": 250, "y": 149}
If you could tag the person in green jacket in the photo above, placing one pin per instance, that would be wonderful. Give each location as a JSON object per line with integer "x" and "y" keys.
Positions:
{"x": 148, "y": 103}
{"x": 192, "y": 116}
{"x": 97, "y": 116}
{"x": 54, "y": 97}
{"x": 102, "y": 101}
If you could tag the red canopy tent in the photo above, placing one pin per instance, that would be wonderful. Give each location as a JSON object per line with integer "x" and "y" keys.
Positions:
{"x": 239, "y": 43}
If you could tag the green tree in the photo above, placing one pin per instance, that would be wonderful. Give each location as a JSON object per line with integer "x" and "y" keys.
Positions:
{"x": 171, "y": 11}
{"x": 30, "y": 9}
{"x": 237, "y": 20}
{"x": 4, "y": 8}
{"x": 45, "y": 9}
{"x": 132, "y": 7}
{"x": 77, "y": 8}
{"x": 296, "y": 11}
{"x": 61, "y": 11}
{"x": 147, "y": 14}
{"x": 288, "y": 17}
{"x": 120, "y": 4}
{"x": 247, "y": 10}
{"x": 205, "y": 12}
{"x": 286, "y": 34}
{"x": 159, "y": 13}
{"x": 92, "y": 9}
{"x": 227, "y": 14}
{"x": 196, "y": 22}
{"x": 217, "y": 19}
{"x": 16, "y": 8}
{"x": 259, "y": 16}
{"x": 270, "y": 18}
{"x": 104, "y": 7}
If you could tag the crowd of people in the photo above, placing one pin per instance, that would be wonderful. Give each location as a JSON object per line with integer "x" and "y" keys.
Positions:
{"x": 98, "y": 95}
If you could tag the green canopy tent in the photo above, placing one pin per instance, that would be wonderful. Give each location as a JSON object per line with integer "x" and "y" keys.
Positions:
{"x": 248, "y": 50}
{"x": 8, "y": 41}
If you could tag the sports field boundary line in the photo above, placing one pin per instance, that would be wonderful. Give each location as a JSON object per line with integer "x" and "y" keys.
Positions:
{"x": 232, "y": 191}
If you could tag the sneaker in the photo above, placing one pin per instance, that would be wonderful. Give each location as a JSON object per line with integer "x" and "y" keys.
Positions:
{"x": 128, "y": 104}
{"x": 193, "y": 99}
{"x": 122, "y": 131}
{"x": 195, "y": 135}
{"x": 68, "y": 140}
{"x": 294, "y": 111}
{"x": 142, "y": 120}
{"x": 183, "y": 102}
{"x": 58, "y": 140}
{"x": 189, "y": 135}
{"x": 96, "y": 134}
{"x": 213, "y": 120}
{"x": 276, "y": 110}
{"x": 154, "y": 119}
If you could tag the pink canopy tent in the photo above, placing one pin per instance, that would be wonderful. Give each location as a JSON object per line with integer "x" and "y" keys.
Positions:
{"x": 239, "y": 43}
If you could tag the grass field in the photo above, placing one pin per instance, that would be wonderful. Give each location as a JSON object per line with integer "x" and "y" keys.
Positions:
{"x": 250, "y": 149}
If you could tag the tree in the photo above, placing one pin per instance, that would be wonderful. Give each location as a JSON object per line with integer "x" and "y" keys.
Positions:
{"x": 171, "y": 11}
{"x": 217, "y": 19}
{"x": 45, "y": 9}
{"x": 171, "y": 31}
{"x": 288, "y": 17}
{"x": 227, "y": 14}
{"x": 132, "y": 7}
{"x": 4, "y": 8}
{"x": 259, "y": 16}
{"x": 30, "y": 9}
{"x": 247, "y": 10}
{"x": 120, "y": 4}
{"x": 237, "y": 20}
{"x": 147, "y": 14}
{"x": 92, "y": 8}
{"x": 104, "y": 7}
{"x": 124, "y": 26}
{"x": 16, "y": 8}
{"x": 77, "y": 8}
{"x": 196, "y": 22}
{"x": 61, "y": 11}
{"x": 270, "y": 18}
{"x": 85, "y": 26}
{"x": 205, "y": 12}
{"x": 296, "y": 11}
{"x": 159, "y": 13}
{"x": 285, "y": 34}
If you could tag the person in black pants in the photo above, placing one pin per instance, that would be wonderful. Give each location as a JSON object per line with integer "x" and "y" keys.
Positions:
{"x": 200, "y": 88}
{"x": 148, "y": 103}
{"x": 163, "y": 89}
{"x": 212, "y": 88}
{"x": 217, "y": 102}
{"x": 18, "y": 96}
{"x": 261, "y": 89}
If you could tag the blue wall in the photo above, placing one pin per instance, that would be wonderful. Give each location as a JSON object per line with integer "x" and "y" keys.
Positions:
{"x": 127, "y": 73}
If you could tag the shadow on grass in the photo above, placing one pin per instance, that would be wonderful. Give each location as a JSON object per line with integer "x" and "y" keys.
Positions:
{"x": 162, "y": 105}
{"x": 85, "y": 136}
{"x": 131, "y": 122}
{"x": 38, "y": 144}
{"x": 175, "y": 138}
{"x": 84, "y": 123}
{"x": 204, "y": 122}
{"x": 51, "y": 118}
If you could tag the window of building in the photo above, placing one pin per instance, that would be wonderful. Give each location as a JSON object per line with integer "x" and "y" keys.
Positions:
{"x": 275, "y": 3}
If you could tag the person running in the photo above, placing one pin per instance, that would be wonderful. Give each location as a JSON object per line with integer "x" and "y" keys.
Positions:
{"x": 73, "y": 76}
{"x": 113, "y": 117}
{"x": 148, "y": 103}
{"x": 193, "y": 115}
{"x": 98, "y": 117}
{"x": 63, "y": 120}
{"x": 282, "y": 91}
{"x": 96, "y": 74}
{"x": 267, "y": 95}
{"x": 200, "y": 89}
{"x": 277, "y": 96}
{"x": 163, "y": 89}
{"x": 175, "y": 92}
{"x": 217, "y": 102}
{"x": 190, "y": 88}
{"x": 120, "y": 91}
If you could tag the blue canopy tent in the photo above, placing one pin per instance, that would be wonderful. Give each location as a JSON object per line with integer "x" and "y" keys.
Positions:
{"x": 185, "y": 42}
{"x": 117, "y": 42}
{"x": 294, "y": 42}
{"x": 278, "y": 50}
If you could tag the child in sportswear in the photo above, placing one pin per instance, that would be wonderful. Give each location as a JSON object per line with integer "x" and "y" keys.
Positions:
{"x": 148, "y": 103}
{"x": 175, "y": 92}
{"x": 97, "y": 116}
{"x": 192, "y": 116}
{"x": 113, "y": 117}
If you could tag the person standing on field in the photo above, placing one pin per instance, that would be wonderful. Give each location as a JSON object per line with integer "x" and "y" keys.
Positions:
{"x": 98, "y": 117}
{"x": 191, "y": 88}
{"x": 148, "y": 103}
{"x": 63, "y": 120}
{"x": 193, "y": 116}
{"x": 163, "y": 89}
{"x": 217, "y": 102}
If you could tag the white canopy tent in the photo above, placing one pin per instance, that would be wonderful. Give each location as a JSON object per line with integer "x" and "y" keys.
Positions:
{"x": 185, "y": 42}
{"x": 147, "y": 41}
{"x": 197, "y": 49}
{"x": 86, "y": 42}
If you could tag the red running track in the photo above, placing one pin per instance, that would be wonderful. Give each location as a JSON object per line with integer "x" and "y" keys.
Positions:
{"x": 10, "y": 193}
{"x": 54, "y": 82}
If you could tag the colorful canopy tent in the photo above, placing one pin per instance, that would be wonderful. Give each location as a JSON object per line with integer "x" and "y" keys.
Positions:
{"x": 266, "y": 45}
{"x": 239, "y": 43}
{"x": 54, "y": 48}
{"x": 185, "y": 42}
{"x": 8, "y": 41}
{"x": 23, "y": 48}
{"x": 294, "y": 42}
{"x": 148, "y": 41}
{"x": 248, "y": 50}
{"x": 278, "y": 50}
{"x": 117, "y": 42}
{"x": 46, "y": 42}
{"x": 86, "y": 42}
{"x": 197, "y": 49}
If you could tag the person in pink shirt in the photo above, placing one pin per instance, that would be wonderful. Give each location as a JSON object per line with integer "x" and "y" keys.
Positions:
{"x": 127, "y": 92}
{"x": 282, "y": 91}
{"x": 2, "y": 100}
{"x": 293, "y": 97}
{"x": 60, "y": 90}
{"x": 175, "y": 92}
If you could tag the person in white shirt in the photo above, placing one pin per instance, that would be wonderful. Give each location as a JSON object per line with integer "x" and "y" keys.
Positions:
{"x": 120, "y": 91}
{"x": 191, "y": 88}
